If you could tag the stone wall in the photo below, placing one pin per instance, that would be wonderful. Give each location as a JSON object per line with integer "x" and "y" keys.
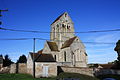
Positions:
{"x": 22, "y": 68}
{"x": 1, "y": 65}
{"x": 29, "y": 65}
{"x": 67, "y": 64}
{"x": 18, "y": 68}
{"x": 13, "y": 68}
{"x": 52, "y": 69}
{"x": 98, "y": 71}
{"x": 5, "y": 70}
{"x": 85, "y": 71}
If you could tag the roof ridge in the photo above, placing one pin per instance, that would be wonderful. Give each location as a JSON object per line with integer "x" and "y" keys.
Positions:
{"x": 68, "y": 42}
{"x": 59, "y": 17}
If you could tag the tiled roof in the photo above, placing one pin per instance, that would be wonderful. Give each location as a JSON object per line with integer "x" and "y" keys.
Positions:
{"x": 68, "y": 42}
{"x": 42, "y": 57}
{"x": 106, "y": 66}
{"x": 45, "y": 58}
{"x": 53, "y": 46}
{"x": 34, "y": 55}
{"x": 40, "y": 52}
{"x": 58, "y": 17}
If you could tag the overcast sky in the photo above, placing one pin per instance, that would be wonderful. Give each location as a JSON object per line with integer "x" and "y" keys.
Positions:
{"x": 87, "y": 15}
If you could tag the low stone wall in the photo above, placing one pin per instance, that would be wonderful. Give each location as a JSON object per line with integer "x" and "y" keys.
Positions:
{"x": 98, "y": 71}
{"x": 18, "y": 68}
{"x": 64, "y": 64}
{"x": 13, "y": 68}
{"x": 1, "y": 65}
{"x": 85, "y": 71}
{"x": 22, "y": 68}
{"x": 5, "y": 70}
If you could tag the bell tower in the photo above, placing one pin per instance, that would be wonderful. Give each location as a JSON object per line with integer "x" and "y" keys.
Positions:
{"x": 62, "y": 29}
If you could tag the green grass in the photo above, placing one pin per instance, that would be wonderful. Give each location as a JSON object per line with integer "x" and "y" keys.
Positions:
{"x": 76, "y": 75}
{"x": 29, "y": 77}
{"x": 21, "y": 77}
{"x": 61, "y": 75}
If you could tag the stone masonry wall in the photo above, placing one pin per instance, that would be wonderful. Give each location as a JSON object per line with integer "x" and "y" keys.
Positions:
{"x": 18, "y": 68}
{"x": 98, "y": 71}
{"x": 13, "y": 68}
{"x": 52, "y": 69}
{"x": 22, "y": 68}
{"x": 85, "y": 71}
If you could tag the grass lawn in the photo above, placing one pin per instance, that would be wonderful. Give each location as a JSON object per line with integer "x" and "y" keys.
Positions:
{"x": 29, "y": 77}
{"x": 76, "y": 75}
{"x": 21, "y": 77}
{"x": 61, "y": 75}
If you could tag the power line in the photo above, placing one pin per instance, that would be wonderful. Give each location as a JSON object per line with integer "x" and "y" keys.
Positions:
{"x": 16, "y": 39}
{"x": 95, "y": 31}
{"x": 58, "y": 40}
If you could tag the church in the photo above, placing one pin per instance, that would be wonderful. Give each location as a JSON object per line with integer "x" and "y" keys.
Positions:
{"x": 66, "y": 48}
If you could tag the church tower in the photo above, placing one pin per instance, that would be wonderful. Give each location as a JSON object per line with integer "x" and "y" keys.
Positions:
{"x": 62, "y": 29}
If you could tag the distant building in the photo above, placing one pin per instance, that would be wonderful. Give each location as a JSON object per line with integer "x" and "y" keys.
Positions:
{"x": 1, "y": 62}
{"x": 106, "y": 66}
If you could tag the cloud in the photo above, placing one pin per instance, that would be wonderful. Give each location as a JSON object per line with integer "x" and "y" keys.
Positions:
{"x": 102, "y": 58}
{"x": 102, "y": 53}
{"x": 112, "y": 37}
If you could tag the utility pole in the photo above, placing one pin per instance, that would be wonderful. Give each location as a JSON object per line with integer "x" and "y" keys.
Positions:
{"x": 1, "y": 14}
{"x": 34, "y": 57}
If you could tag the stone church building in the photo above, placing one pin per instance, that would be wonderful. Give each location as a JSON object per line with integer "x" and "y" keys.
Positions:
{"x": 66, "y": 48}
{"x": 63, "y": 49}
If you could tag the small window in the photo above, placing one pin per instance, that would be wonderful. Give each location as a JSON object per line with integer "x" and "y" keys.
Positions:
{"x": 65, "y": 15}
{"x": 53, "y": 28}
{"x": 63, "y": 25}
{"x": 68, "y": 27}
{"x": 57, "y": 25}
{"x": 55, "y": 57}
{"x": 65, "y": 56}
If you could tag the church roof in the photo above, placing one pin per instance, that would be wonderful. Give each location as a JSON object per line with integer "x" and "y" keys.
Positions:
{"x": 59, "y": 17}
{"x": 34, "y": 55}
{"x": 68, "y": 42}
{"x": 40, "y": 52}
{"x": 45, "y": 58}
{"x": 42, "y": 57}
{"x": 53, "y": 46}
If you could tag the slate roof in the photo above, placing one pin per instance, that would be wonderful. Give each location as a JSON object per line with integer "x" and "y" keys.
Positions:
{"x": 45, "y": 58}
{"x": 58, "y": 17}
{"x": 42, "y": 57}
{"x": 68, "y": 42}
{"x": 53, "y": 46}
{"x": 106, "y": 66}
{"x": 34, "y": 55}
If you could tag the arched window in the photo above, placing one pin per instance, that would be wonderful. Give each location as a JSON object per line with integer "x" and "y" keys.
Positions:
{"x": 63, "y": 25}
{"x": 65, "y": 15}
{"x": 55, "y": 57}
{"x": 65, "y": 56}
{"x": 57, "y": 25}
